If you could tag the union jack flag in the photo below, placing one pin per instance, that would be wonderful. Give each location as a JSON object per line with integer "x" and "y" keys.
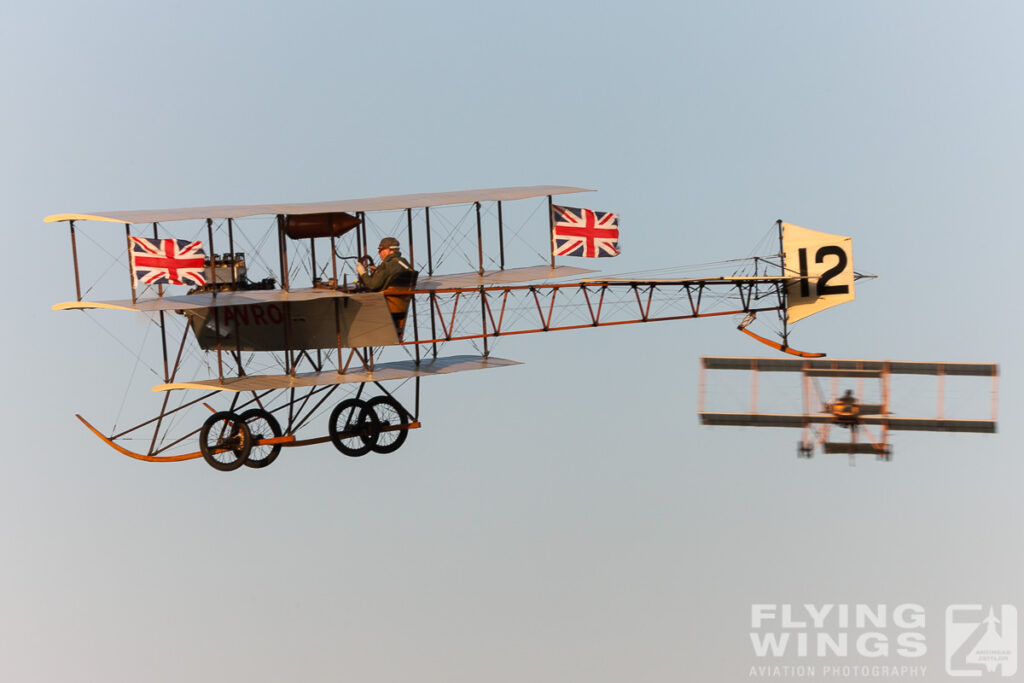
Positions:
{"x": 582, "y": 232}
{"x": 162, "y": 262}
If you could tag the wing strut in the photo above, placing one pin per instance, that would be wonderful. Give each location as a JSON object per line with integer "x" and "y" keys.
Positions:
{"x": 775, "y": 345}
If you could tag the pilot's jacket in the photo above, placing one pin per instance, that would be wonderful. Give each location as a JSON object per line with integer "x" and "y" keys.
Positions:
{"x": 394, "y": 271}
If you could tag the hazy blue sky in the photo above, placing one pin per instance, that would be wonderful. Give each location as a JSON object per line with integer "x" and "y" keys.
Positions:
{"x": 563, "y": 520}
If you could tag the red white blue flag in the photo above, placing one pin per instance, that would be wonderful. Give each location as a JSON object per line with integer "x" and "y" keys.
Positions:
{"x": 582, "y": 232}
{"x": 162, "y": 262}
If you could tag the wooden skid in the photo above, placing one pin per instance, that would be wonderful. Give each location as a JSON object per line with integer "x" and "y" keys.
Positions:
{"x": 288, "y": 440}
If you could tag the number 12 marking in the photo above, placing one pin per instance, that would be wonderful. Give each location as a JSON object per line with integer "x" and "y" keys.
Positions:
{"x": 824, "y": 288}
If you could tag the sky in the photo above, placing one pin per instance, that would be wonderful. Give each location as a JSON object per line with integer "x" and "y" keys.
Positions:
{"x": 566, "y": 519}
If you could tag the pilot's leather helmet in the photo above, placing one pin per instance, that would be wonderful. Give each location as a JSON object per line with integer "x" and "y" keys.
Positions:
{"x": 388, "y": 243}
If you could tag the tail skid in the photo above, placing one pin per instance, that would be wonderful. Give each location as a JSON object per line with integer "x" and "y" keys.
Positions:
{"x": 777, "y": 346}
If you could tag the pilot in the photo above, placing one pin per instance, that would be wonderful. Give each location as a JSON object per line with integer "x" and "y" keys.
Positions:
{"x": 846, "y": 408}
{"x": 393, "y": 270}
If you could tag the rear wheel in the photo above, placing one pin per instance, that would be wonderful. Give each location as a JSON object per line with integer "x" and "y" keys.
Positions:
{"x": 262, "y": 425}
{"x": 394, "y": 423}
{"x": 225, "y": 441}
{"x": 353, "y": 427}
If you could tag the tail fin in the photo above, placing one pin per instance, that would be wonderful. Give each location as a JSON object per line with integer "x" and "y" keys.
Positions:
{"x": 821, "y": 268}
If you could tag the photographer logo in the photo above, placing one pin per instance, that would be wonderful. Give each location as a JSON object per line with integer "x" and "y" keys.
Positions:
{"x": 981, "y": 640}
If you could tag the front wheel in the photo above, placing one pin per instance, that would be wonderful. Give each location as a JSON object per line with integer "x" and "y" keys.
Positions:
{"x": 353, "y": 427}
{"x": 394, "y": 423}
{"x": 225, "y": 441}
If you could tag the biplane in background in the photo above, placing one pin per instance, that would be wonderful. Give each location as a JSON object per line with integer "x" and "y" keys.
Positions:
{"x": 826, "y": 412}
{"x": 276, "y": 353}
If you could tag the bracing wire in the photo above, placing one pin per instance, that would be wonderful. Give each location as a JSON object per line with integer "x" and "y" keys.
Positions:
{"x": 131, "y": 379}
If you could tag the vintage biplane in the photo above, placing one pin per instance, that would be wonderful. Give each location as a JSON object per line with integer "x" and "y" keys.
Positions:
{"x": 280, "y": 323}
{"x": 864, "y": 422}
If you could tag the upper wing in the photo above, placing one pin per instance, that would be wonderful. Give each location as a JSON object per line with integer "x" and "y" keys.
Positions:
{"x": 408, "y": 201}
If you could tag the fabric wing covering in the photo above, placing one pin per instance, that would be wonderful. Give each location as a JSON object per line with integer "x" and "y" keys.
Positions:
{"x": 389, "y": 203}
{"x": 822, "y": 267}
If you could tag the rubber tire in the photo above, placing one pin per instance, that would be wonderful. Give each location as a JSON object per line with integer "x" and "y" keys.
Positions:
{"x": 367, "y": 427}
{"x": 403, "y": 419}
{"x": 241, "y": 454}
{"x": 275, "y": 427}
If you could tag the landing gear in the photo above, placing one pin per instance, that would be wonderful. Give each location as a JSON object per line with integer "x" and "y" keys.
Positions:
{"x": 358, "y": 427}
{"x": 262, "y": 425}
{"x": 225, "y": 441}
{"x": 804, "y": 450}
{"x": 354, "y": 427}
{"x": 394, "y": 424}
{"x": 228, "y": 440}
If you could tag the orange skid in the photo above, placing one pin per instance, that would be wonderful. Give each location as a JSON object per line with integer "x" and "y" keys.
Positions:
{"x": 171, "y": 458}
{"x": 780, "y": 347}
